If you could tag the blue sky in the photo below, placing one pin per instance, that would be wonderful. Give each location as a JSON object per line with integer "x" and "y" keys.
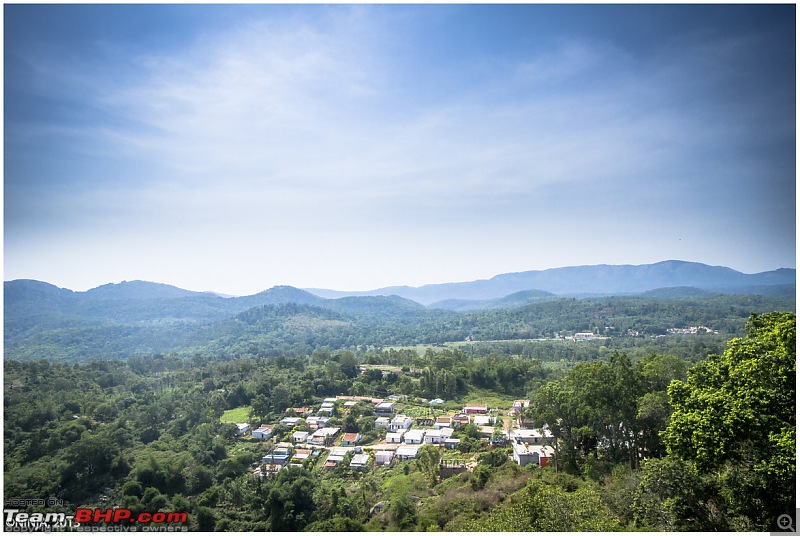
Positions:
{"x": 233, "y": 148}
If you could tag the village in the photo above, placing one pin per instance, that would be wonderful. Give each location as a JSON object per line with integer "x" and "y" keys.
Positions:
{"x": 316, "y": 439}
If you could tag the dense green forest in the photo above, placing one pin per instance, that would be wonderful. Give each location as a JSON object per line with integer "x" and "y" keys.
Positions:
{"x": 44, "y": 322}
{"x": 651, "y": 432}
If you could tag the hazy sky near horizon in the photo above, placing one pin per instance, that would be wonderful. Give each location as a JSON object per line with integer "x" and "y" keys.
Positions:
{"x": 234, "y": 148}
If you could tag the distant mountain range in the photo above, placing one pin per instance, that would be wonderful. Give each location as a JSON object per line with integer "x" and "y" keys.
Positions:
{"x": 137, "y": 317}
{"x": 664, "y": 279}
{"x": 582, "y": 281}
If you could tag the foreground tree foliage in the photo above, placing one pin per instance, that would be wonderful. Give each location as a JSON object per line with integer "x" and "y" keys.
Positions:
{"x": 608, "y": 410}
{"x": 673, "y": 496}
{"x": 647, "y": 442}
{"x": 546, "y": 506}
{"x": 735, "y": 416}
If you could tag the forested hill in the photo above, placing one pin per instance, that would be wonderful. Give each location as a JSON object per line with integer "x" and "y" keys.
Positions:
{"x": 137, "y": 318}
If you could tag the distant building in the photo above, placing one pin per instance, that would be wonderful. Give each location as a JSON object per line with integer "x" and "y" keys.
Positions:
{"x": 484, "y": 420}
{"x": 316, "y": 422}
{"x": 414, "y": 437}
{"x": 359, "y": 461}
{"x": 395, "y": 437}
{"x": 476, "y": 409}
{"x": 318, "y": 437}
{"x": 384, "y": 408}
{"x": 531, "y": 436}
{"x": 291, "y": 421}
{"x": 460, "y": 420}
{"x": 486, "y": 431}
{"x": 360, "y": 398}
{"x": 519, "y": 406}
{"x": 451, "y": 443}
{"x": 407, "y": 452}
{"x": 276, "y": 458}
{"x": 526, "y": 454}
{"x": 300, "y": 437}
{"x": 267, "y": 471}
{"x": 384, "y": 457}
{"x": 263, "y": 432}
{"x": 445, "y": 421}
{"x": 335, "y": 457}
{"x": 437, "y": 437}
{"x": 400, "y": 422}
{"x": 383, "y": 422}
{"x": 301, "y": 455}
{"x": 349, "y": 440}
{"x": 242, "y": 429}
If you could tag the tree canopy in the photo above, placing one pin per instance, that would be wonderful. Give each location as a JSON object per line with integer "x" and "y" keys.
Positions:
{"x": 735, "y": 415}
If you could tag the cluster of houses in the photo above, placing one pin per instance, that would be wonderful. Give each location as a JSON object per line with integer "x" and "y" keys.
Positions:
{"x": 399, "y": 430}
{"x": 692, "y": 330}
{"x": 402, "y": 440}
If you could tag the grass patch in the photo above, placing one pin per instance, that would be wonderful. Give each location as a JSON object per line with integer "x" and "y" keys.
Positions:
{"x": 236, "y": 415}
{"x": 419, "y": 348}
{"x": 490, "y": 398}
{"x": 417, "y": 411}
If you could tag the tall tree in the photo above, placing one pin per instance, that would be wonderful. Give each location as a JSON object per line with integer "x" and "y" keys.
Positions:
{"x": 427, "y": 461}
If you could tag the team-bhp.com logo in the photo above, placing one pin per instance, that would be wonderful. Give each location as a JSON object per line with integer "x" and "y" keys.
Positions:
{"x": 88, "y": 520}
{"x": 120, "y": 515}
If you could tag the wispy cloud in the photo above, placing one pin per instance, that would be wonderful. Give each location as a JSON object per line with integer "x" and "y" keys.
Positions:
{"x": 316, "y": 127}
{"x": 280, "y": 110}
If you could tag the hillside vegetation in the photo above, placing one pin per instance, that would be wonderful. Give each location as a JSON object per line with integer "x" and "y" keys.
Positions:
{"x": 653, "y": 443}
{"x": 670, "y": 410}
{"x": 44, "y": 322}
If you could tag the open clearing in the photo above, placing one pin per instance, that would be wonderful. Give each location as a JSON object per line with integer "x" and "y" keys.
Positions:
{"x": 236, "y": 415}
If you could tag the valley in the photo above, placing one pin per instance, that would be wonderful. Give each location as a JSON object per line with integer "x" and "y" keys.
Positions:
{"x": 286, "y": 411}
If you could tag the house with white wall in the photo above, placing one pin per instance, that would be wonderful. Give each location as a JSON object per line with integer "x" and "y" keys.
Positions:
{"x": 525, "y": 454}
{"x": 444, "y": 421}
{"x": 242, "y": 428}
{"x": 263, "y": 432}
{"x": 484, "y": 420}
{"x": 437, "y": 437}
{"x": 532, "y": 436}
{"x": 414, "y": 437}
{"x": 407, "y": 452}
{"x": 291, "y": 421}
{"x": 400, "y": 422}
{"x": 299, "y": 437}
{"x": 395, "y": 437}
{"x": 317, "y": 421}
{"x": 318, "y": 437}
{"x": 359, "y": 461}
